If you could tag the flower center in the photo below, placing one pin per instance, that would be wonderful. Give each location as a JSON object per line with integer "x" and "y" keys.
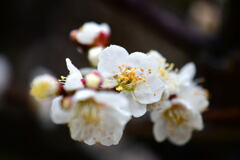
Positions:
{"x": 41, "y": 90}
{"x": 129, "y": 77}
{"x": 89, "y": 110}
{"x": 175, "y": 114}
{"x": 164, "y": 72}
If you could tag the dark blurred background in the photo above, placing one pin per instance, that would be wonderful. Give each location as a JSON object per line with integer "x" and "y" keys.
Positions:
{"x": 35, "y": 33}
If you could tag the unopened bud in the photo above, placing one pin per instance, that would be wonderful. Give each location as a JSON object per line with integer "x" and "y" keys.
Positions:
{"x": 93, "y": 55}
{"x": 93, "y": 80}
{"x": 66, "y": 103}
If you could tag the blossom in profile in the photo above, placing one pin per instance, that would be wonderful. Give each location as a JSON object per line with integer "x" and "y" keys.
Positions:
{"x": 134, "y": 75}
{"x": 91, "y": 34}
{"x": 176, "y": 117}
{"x": 93, "y": 117}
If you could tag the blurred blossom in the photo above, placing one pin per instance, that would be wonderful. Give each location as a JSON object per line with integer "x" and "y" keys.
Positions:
{"x": 205, "y": 16}
{"x": 91, "y": 34}
{"x": 42, "y": 107}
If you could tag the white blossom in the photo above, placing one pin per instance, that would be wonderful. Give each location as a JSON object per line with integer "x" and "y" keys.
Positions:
{"x": 90, "y": 31}
{"x": 95, "y": 117}
{"x": 176, "y": 117}
{"x": 134, "y": 75}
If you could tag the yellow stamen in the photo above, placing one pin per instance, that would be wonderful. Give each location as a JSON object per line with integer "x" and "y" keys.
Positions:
{"x": 40, "y": 90}
{"x": 89, "y": 110}
{"x": 128, "y": 78}
{"x": 175, "y": 114}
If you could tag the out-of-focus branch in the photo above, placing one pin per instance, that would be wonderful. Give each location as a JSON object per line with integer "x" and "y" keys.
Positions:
{"x": 227, "y": 113}
{"x": 173, "y": 26}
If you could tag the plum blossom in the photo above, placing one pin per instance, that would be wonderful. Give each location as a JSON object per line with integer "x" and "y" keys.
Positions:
{"x": 134, "y": 75}
{"x": 94, "y": 117}
{"x": 91, "y": 34}
{"x": 177, "y": 116}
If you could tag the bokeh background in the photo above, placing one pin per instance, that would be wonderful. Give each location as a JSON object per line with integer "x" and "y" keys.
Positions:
{"x": 34, "y": 38}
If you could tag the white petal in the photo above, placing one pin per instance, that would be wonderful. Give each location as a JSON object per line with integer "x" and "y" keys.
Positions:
{"x": 88, "y": 32}
{"x": 155, "y": 115}
{"x": 109, "y": 83}
{"x": 114, "y": 130}
{"x": 195, "y": 96}
{"x": 149, "y": 91}
{"x": 104, "y": 27}
{"x": 73, "y": 82}
{"x": 180, "y": 135}
{"x": 58, "y": 115}
{"x": 196, "y": 121}
{"x": 158, "y": 57}
{"x": 109, "y": 60}
{"x": 136, "y": 108}
{"x": 72, "y": 69}
{"x": 87, "y": 70}
{"x": 93, "y": 55}
{"x": 144, "y": 61}
{"x": 83, "y": 95}
{"x": 114, "y": 100}
{"x": 159, "y": 130}
{"x": 187, "y": 72}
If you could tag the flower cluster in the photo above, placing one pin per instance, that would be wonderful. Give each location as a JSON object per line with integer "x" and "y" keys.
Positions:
{"x": 98, "y": 103}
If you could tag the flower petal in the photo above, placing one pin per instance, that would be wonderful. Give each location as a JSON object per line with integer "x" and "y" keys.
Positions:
{"x": 109, "y": 60}
{"x": 114, "y": 100}
{"x": 104, "y": 27}
{"x": 143, "y": 61}
{"x": 72, "y": 69}
{"x": 195, "y": 96}
{"x": 158, "y": 57}
{"x": 58, "y": 115}
{"x": 187, "y": 72}
{"x": 88, "y": 32}
{"x": 83, "y": 95}
{"x": 87, "y": 70}
{"x": 73, "y": 82}
{"x": 180, "y": 135}
{"x": 159, "y": 131}
{"x": 196, "y": 121}
{"x": 149, "y": 91}
{"x": 135, "y": 108}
